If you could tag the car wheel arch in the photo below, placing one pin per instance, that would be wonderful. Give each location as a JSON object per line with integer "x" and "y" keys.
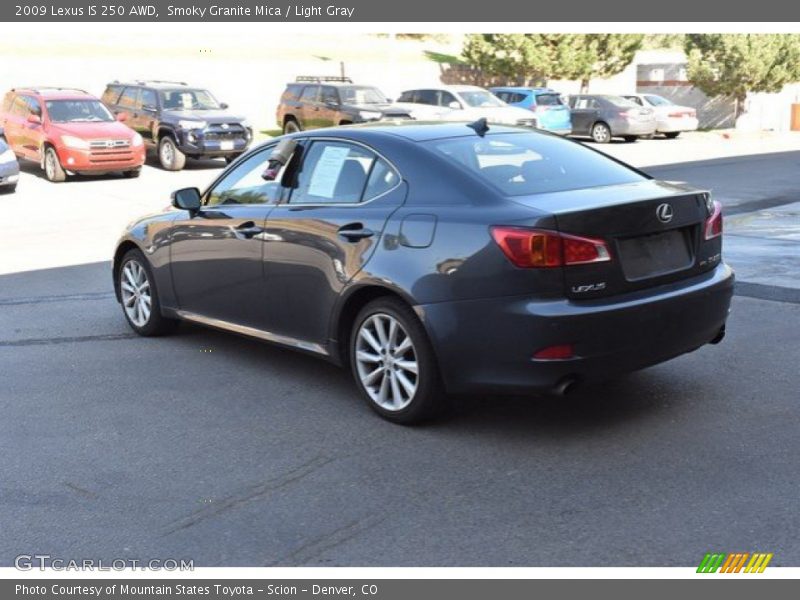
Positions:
{"x": 123, "y": 248}
{"x": 346, "y": 311}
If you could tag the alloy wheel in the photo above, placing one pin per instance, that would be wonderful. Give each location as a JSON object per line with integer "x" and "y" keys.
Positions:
{"x": 49, "y": 165}
{"x": 136, "y": 295}
{"x": 601, "y": 134}
{"x": 386, "y": 362}
{"x": 167, "y": 153}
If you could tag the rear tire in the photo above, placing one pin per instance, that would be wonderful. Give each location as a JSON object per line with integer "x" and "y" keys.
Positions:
{"x": 601, "y": 133}
{"x": 393, "y": 363}
{"x": 630, "y": 138}
{"x": 53, "y": 170}
{"x": 170, "y": 157}
{"x": 291, "y": 126}
{"x": 8, "y": 189}
{"x": 671, "y": 135}
{"x": 139, "y": 296}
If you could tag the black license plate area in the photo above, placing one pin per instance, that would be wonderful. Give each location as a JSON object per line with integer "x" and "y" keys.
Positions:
{"x": 656, "y": 254}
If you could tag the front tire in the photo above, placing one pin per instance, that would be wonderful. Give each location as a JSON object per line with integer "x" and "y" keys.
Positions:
{"x": 601, "y": 133}
{"x": 139, "y": 296}
{"x": 53, "y": 170}
{"x": 393, "y": 363}
{"x": 671, "y": 135}
{"x": 170, "y": 157}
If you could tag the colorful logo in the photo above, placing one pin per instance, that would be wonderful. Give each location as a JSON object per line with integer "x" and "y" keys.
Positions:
{"x": 737, "y": 562}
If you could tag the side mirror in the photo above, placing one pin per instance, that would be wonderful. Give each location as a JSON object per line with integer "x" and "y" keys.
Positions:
{"x": 187, "y": 199}
{"x": 34, "y": 119}
{"x": 454, "y": 105}
{"x": 122, "y": 117}
{"x": 223, "y": 105}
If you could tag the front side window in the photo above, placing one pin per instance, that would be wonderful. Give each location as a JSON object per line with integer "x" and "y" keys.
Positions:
{"x": 527, "y": 163}
{"x": 333, "y": 173}
{"x": 329, "y": 95}
{"x": 188, "y": 99}
{"x": 149, "y": 99}
{"x": 244, "y": 185}
{"x": 78, "y": 111}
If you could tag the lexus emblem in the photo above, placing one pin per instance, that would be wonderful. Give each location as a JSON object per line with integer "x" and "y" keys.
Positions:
{"x": 664, "y": 213}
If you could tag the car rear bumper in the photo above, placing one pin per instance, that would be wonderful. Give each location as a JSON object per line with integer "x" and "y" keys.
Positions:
{"x": 669, "y": 125}
{"x": 622, "y": 127}
{"x": 487, "y": 345}
{"x": 89, "y": 161}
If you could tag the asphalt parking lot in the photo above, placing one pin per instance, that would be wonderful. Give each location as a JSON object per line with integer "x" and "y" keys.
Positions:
{"x": 230, "y": 452}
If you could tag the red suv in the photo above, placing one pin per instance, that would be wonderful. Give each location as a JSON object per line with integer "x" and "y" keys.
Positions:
{"x": 69, "y": 131}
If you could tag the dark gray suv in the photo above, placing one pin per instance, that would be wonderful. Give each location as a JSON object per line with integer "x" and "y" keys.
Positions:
{"x": 437, "y": 258}
{"x": 179, "y": 120}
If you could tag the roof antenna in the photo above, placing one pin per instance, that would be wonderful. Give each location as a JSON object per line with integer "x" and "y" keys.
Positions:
{"x": 480, "y": 126}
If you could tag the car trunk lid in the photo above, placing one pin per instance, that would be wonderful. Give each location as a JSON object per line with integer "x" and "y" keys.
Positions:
{"x": 653, "y": 231}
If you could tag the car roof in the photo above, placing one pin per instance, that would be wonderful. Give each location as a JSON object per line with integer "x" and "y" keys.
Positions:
{"x": 535, "y": 90}
{"x": 155, "y": 84}
{"x": 449, "y": 88}
{"x": 415, "y": 131}
{"x": 53, "y": 92}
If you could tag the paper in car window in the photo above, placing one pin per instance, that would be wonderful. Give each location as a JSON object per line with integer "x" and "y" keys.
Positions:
{"x": 326, "y": 174}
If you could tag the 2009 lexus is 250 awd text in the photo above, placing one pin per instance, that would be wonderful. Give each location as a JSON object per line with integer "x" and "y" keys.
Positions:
{"x": 437, "y": 259}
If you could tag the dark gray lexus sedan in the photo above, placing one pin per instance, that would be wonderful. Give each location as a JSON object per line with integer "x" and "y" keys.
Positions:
{"x": 437, "y": 258}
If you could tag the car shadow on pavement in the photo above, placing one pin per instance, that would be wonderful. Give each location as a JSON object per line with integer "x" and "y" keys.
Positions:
{"x": 41, "y": 306}
{"x": 32, "y": 168}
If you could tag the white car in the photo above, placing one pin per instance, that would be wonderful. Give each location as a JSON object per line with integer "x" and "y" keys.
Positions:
{"x": 462, "y": 103}
{"x": 671, "y": 118}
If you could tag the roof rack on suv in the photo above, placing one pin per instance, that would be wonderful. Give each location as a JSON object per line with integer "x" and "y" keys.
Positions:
{"x": 146, "y": 81}
{"x": 38, "y": 89}
{"x": 321, "y": 78}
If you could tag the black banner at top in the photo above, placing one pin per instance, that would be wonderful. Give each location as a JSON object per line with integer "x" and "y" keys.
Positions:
{"x": 419, "y": 11}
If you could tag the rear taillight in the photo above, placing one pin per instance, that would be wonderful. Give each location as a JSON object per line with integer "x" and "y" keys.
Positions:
{"x": 559, "y": 352}
{"x": 713, "y": 226}
{"x": 538, "y": 248}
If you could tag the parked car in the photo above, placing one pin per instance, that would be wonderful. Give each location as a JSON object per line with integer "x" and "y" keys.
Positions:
{"x": 436, "y": 258}
{"x": 9, "y": 168}
{"x": 463, "y": 103}
{"x": 552, "y": 113}
{"x": 180, "y": 121}
{"x": 315, "y": 102}
{"x": 671, "y": 118}
{"x": 603, "y": 117}
{"x": 69, "y": 131}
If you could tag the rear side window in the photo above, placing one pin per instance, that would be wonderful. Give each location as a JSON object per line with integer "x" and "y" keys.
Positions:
{"x": 292, "y": 91}
{"x": 19, "y": 107}
{"x": 111, "y": 95}
{"x": 548, "y": 100}
{"x": 511, "y": 97}
{"x": 529, "y": 163}
{"x": 129, "y": 98}
{"x": 333, "y": 173}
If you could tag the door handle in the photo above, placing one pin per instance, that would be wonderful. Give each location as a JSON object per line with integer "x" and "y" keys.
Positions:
{"x": 248, "y": 229}
{"x": 354, "y": 232}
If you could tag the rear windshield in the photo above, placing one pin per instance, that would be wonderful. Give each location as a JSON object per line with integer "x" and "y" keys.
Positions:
{"x": 519, "y": 164}
{"x": 548, "y": 100}
{"x": 620, "y": 101}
